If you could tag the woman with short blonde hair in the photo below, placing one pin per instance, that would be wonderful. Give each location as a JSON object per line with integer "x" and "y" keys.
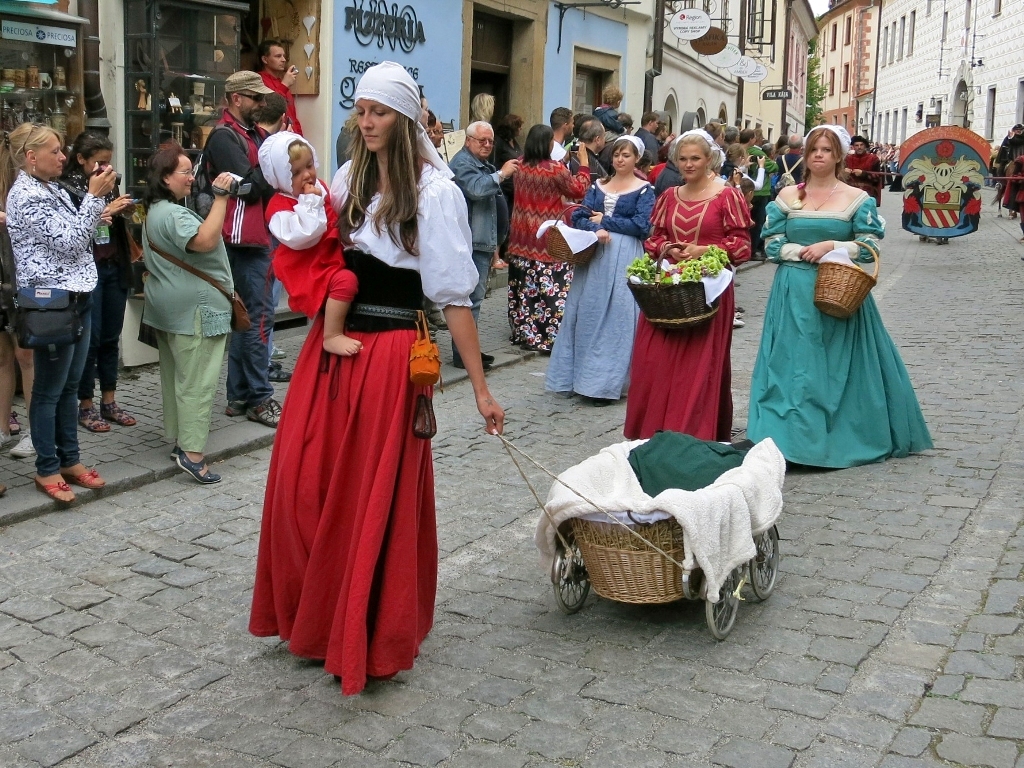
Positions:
{"x": 52, "y": 244}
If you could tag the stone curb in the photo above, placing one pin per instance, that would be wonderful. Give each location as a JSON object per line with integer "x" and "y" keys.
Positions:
{"x": 25, "y": 502}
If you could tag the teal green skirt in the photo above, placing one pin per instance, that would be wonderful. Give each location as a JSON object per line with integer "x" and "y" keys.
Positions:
{"x": 830, "y": 393}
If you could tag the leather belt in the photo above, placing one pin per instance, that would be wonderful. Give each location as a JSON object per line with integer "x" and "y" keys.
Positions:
{"x": 390, "y": 313}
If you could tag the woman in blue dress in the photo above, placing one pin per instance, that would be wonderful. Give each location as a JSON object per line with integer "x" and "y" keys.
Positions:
{"x": 594, "y": 345}
{"x": 830, "y": 393}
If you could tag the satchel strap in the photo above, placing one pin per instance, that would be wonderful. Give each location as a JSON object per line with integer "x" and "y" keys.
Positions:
{"x": 188, "y": 267}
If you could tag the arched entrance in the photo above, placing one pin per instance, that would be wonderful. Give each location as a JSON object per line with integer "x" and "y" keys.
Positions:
{"x": 672, "y": 110}
{"x": 960, "y": 97}
{"x": 702, "y": 118}
{"x": 723, "y": 114}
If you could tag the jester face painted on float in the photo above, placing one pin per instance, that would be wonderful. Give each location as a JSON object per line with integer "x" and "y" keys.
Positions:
{"x": 943, "y": 174}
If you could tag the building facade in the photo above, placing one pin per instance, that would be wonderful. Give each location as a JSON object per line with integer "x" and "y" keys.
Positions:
{"x": 847, "y": 34}
{"x": 949, "y": 62}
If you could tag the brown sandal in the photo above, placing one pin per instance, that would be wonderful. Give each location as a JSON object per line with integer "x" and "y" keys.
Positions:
{"x": 90, "y": 419}
{"x": 90, "y": 478}
{"x": 53, "y": 489}
{"x": 112, "y": 412}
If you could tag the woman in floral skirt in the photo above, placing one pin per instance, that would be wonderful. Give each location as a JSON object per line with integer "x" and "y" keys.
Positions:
{"x": 538, "y": 285}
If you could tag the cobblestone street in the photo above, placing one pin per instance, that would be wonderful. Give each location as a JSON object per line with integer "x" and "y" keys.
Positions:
{"x": 894, "y": 638}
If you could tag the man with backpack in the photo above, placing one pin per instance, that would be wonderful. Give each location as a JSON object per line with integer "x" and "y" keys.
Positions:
{"x": 791, "y": 164}
{"x": 233, "y": 147}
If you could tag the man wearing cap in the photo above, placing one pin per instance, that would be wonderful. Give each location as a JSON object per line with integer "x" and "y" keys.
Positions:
{"x": 865, "y": 169}
{"x": 233, "y": 147}
{"x": 279, "y": 76}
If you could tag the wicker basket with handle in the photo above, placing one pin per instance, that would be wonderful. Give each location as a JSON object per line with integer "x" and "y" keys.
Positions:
{"x": 624, "y": 568}
{"x": 840, "y": 289}
{"x": 559, "y": 250}
{"x": 673, "y": 306}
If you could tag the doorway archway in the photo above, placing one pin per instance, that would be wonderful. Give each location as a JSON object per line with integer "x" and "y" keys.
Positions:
{"x": 960, "y": 97}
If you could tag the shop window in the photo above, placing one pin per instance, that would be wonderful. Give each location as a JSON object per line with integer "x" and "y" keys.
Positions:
{"x": 41, "y": 80}
{"x": 178, "y": 56}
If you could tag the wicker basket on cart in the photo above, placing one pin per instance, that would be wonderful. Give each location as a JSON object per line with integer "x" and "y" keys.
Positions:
{"x": 559, "y": 250}
{"x": 679, "y": 306}
{"x": 840, "y": 289}
{"x": 622, "y": 567}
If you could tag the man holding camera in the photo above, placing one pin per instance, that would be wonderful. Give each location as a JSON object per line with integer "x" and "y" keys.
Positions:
{"x": 235, "y": 150}
{"x": 279, "y": 76}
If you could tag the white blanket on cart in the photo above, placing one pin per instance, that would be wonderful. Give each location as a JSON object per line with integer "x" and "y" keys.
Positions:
{"x": 719, "y": 521}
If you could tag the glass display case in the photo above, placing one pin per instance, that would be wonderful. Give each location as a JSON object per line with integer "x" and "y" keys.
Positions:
{"x": 41, "y": 72}
{"x": 178, "y": 55}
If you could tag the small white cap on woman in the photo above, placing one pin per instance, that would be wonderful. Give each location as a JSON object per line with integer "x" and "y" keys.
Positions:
{"x": 838, "y": 130}
{"x": 638, "y": 143}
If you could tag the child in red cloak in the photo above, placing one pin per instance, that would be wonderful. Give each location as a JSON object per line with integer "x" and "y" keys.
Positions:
{"x": 308, "y": 259}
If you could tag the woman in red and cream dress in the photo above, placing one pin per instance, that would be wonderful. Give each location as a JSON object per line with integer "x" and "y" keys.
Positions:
{"x": 681, "y": 379}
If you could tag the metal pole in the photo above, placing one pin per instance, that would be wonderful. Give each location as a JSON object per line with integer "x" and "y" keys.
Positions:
{"x": 657, "y": 54}
{"x": 742, "y": 47}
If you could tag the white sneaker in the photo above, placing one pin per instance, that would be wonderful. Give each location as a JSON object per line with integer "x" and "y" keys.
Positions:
{"x": 24, "y": 449}
{"x": 736, "y": 322}
{"x": 4, "y": 439}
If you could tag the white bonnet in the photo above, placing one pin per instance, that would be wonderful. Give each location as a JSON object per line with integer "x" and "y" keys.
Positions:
{"x": 389, "y": 83}
{"x": 707, "y": 137}
{"x": 274, "y": 161}
{"x": 636, "y": 142}
{"x": 838, "y": 130}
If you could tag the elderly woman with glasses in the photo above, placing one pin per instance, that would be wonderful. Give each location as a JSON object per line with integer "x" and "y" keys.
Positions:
{"x": 191, "y": 318}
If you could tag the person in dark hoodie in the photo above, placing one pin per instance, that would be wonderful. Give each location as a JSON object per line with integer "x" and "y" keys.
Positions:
{"x": 669, "y": 176}
{"x": 608, "y": 112}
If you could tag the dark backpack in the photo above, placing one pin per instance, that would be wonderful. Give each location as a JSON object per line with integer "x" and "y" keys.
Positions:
{"x": 201, "y": 198}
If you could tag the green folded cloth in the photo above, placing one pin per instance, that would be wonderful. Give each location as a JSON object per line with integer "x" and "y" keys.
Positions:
{"x": 675, "y": 460}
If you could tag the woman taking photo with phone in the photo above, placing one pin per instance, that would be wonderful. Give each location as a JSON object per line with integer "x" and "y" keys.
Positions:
{"x": 90, "y": 155}
{"x": 52, "y": 243}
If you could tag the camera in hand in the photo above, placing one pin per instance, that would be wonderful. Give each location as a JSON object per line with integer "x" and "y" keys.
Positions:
{"x": 238, "y": 187}
{"x": 103, "y": 169}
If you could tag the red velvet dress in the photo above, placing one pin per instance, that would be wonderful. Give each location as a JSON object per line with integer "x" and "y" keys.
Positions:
{"x": 681, "y": 379}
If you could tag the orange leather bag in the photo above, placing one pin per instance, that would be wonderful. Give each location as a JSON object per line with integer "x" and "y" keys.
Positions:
{"x": 424, "y": 358}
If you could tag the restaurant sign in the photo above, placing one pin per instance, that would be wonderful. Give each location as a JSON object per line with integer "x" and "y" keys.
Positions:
{"x": 375, "y": 22}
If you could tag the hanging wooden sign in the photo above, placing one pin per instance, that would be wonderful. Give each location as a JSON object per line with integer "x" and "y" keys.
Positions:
{"x": 711, "y": 42}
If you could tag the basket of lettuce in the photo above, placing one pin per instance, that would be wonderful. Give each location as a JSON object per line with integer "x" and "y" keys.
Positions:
{"x": 672, "y": 295}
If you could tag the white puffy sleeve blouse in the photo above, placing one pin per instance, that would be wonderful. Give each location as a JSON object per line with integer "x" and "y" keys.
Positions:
{"x": 445, "y": 262}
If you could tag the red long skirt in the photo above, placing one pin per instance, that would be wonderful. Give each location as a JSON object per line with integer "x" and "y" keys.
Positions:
{"x": 347, "y": 565}
{"x": 682, "y": 380}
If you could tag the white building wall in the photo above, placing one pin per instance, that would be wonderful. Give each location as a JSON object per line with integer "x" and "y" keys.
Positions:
{"x": 938, "y": 71}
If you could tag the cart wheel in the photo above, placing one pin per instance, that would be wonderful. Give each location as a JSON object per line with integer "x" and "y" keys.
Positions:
{"x": 569, "y": 577}
{"x": 764, "y": 568}
{"x": 722, "y": 615}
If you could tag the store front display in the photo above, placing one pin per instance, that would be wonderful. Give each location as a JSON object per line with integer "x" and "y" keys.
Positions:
{"x": 178, "y": 56}
{"x": 41, "y": 69}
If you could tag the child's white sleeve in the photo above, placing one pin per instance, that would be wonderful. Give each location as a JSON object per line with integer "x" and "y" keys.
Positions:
{"x": 759, "y": 181}
{"x": 303, "y": 226}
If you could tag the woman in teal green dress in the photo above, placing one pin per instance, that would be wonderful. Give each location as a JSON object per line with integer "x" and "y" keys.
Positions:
{"x": 830, "y": 393}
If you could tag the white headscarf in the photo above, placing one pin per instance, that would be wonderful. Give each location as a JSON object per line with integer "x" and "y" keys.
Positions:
{"x": 389, "y": 84}
{"x": 636, "y": 142}
{"x": 838, "y": 130}
{"x": 274, "y": 160}
{"x": 711, "y": 142}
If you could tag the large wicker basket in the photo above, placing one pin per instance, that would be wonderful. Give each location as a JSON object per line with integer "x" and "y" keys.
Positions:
{"x": 559, "y": 250}
{"x": 680, "y": 306}
{"x": 624, "y": 568}
{"x": 840, "y": 289}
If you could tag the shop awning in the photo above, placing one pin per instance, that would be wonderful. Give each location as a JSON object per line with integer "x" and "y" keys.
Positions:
{"x": 33, "y": 11}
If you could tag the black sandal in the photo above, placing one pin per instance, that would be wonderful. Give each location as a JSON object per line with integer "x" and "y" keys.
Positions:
{"x": 195, "y": 468}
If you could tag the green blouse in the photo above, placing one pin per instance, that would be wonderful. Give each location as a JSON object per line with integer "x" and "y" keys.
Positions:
{"x": 174, "y": 296}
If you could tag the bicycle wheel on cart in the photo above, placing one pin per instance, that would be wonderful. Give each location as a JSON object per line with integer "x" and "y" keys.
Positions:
{"x": 764, "y": 567}
{"x": 569, "y": 576}
{"x": 721, "y": 616}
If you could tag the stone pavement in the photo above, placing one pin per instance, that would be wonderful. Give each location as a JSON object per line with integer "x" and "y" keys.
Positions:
{"x": 893, "y": 640}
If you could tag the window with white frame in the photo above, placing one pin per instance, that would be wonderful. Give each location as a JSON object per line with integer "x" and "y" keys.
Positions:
{"x": 885, "y": 45}
{"x": 903, "y": 32}
{"x": 910, "y": 33}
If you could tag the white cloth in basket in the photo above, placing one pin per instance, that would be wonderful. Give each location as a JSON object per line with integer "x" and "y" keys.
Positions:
{"x": 719, "y": 521}
{"x": 576, "y": 239}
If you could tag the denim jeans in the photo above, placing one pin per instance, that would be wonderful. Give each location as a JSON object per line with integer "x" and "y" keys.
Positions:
{"x": 482, "y": 259}
{"x": 248, "y": 353}
{"x": 108, "y": 304}
{"x": 54, "y": 411}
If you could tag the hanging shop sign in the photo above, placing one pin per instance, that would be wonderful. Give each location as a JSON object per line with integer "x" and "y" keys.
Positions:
{"x": 725, "y": 58}
{"x": 777, "y": 94}
{"x": 690, "y": 24}
{"x": 373, "y": 22}
{"x": 745, "y": 66}
{"x": 37, "y": 33}
{"x": 711, "y": 42}
{"x": 760, "y": 73}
